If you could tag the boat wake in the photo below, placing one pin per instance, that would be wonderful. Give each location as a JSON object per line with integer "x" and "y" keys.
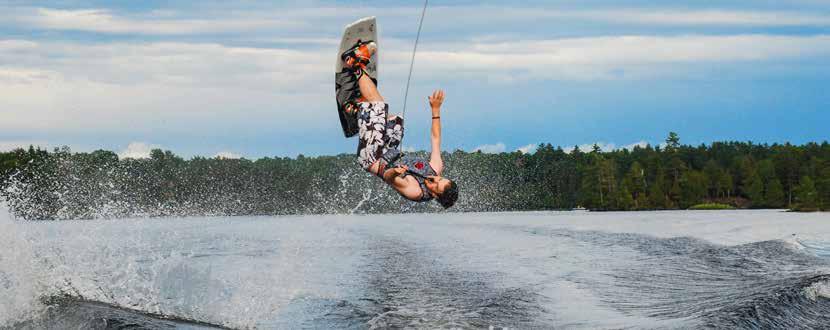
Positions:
{"x": 74, "y": 313}
{"x": 820, "y": 249}
{"x": 366, "y": 272}
{"x": 768, "y": 284}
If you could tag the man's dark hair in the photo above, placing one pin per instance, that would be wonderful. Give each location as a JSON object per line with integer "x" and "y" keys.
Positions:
{"x": 449, "y": 196}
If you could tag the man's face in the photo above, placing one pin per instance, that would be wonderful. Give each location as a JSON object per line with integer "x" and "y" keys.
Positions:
{"x": 437, "y": 184}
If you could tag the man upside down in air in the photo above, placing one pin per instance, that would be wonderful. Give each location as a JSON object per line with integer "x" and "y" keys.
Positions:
{"x": 380, "y": 136}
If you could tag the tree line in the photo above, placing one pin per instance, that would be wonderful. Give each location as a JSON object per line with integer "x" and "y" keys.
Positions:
{"x": 61, "y": 184}
{"x": 741, "y": 174}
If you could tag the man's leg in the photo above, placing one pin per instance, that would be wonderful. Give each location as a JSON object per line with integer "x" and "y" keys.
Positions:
{"x": 368, "y": 92}
{"x": 394, "y": 132}
{"x": 371, "y": 120}
{"x": 357, "y": 59}
{"x": 368, "y": 89}
{"x": 371, "y": 136}
{"x": 394, "y": 124}
{"x": 371, "y": 116}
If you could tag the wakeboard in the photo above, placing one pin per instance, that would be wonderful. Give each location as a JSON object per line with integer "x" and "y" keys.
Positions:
{"x": 345, "y": 83}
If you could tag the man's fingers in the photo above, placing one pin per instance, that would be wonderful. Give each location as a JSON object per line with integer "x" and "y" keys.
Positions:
{"x": 437, "y": 96}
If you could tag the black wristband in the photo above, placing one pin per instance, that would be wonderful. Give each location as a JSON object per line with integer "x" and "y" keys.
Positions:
{"x": 436, "y": 117}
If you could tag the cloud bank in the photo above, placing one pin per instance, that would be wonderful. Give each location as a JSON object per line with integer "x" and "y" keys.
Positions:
{"x": 215, "y": 69}
{"x": 287, "y": 18}
{"x": 491, "y": 148}
{"x": 227, "y": 155}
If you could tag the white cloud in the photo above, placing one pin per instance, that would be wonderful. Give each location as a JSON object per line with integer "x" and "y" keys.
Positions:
{"x": 175, "y": 82}
{"x": 138, "y": 150}
{"x": 287, "y": 18}
{"x": 641, "y": 144}
{"x": 60, "y": 86}
{"x": 8, "y": 145}
{"x": 185, "y": 86}
{"x": 491, "y": 148}
{"x": 13, "y": 45}
{"x": 328, "y": 42}
{"x": 614, "y": 57}
{"x": 528, "y": 149}
{"x": 499, "y": 15}
{"x": 588, "y": 147}
{"x": 173, "y": 86}
{"x": 173, "y": 63}
{"x": 104, "y": 21}
{"x": 227, "y": 155}
{"x": 692, "y": 17}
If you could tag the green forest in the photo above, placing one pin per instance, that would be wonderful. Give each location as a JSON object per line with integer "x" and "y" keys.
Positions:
{"x": 61, "y": 184}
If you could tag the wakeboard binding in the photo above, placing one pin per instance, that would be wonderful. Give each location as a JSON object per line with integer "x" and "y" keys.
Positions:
{"x": 359, "y": 56}
{"x": 355, "y": 60}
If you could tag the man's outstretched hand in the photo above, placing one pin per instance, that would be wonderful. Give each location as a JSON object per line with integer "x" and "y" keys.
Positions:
{"x": 435, "y": 101}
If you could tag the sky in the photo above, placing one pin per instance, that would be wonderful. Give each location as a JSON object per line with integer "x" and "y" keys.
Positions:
{"x": 255, "y": 79}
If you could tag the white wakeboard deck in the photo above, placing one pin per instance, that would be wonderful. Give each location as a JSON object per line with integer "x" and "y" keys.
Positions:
{"x": 364, "y": 29}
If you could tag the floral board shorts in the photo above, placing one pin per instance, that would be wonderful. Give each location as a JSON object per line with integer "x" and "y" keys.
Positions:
{"x": 378, "y": 133}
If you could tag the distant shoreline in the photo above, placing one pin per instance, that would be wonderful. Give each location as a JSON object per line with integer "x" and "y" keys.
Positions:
{"x": 61, "y": 184}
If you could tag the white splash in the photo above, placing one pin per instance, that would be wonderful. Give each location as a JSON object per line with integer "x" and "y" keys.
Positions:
{"x": 818, "y": 290}
{"x": 19, "y": 278}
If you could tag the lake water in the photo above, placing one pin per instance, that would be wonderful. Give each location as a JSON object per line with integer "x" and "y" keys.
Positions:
{"x": 679, "y": 269}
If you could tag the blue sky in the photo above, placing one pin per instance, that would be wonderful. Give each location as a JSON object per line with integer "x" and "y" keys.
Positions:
{"x": 254, "y": 79}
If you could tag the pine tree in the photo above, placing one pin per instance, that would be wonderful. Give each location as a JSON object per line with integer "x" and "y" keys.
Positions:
{"x": 725, "y": 183}
{"x": 642, "y": 202}
{"x": 608, "y": 182}
{"x": 754, "y": 190}
{"x": 806, "y": 196}
{"x": 766, "y": 169}
{"x": 675, "y": 169}
{"x": 751, "y": 185}
{"x": 746, "y": 169}
{"x": 624, "y": 200}
{"x": 823, "y": 187}
{"x": 672, "y": 142}
{"x": 635, "y": 183}
{"x": 656, "y": 195}
{"x": 774, "y": 195}
{"x": 713, "y": 172}
{"x": 593, "y": 191}
{"x": 693, "y": 189}
{"x": 787, "y": 163}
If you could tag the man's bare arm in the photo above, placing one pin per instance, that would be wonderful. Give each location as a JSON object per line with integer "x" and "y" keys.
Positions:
{"x": 435, "y": 102}
{"x": 394, "y": 173}
{"x": 395, "y": 178}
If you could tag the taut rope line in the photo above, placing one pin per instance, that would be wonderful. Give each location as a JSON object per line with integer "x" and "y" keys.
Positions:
{"x": 412, "y": 64}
